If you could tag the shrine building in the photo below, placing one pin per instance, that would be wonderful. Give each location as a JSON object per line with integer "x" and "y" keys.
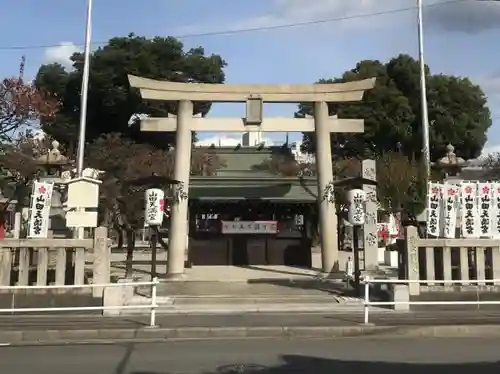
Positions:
{"x": 246, "y": 215}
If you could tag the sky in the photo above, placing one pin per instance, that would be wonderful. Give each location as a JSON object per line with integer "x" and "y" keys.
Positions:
{"x": 252, "y": 36}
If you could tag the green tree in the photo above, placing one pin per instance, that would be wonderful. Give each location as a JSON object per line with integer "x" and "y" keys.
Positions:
{"x": 457, "y": 112}
{"x": 402, "y": 184}
{"x": 111, "y": 101}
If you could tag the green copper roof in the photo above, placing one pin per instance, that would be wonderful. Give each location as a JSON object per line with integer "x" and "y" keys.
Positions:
{"x": 290, "y": 189}
{"x": 243, "y": 177}
{"x": 244, "y": 161}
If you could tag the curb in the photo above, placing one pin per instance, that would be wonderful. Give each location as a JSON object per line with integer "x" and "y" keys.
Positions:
{"x": 56, "y": 337}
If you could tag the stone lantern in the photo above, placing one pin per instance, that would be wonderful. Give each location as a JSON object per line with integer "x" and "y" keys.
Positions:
{"x": 52, "y": 165}
{"x": 451, "y": 165}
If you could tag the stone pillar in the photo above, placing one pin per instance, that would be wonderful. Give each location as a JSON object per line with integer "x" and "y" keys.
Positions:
{"x": 102, "y": 260}
{"x": 327, "y": 212}
{"x": 42, "y": 267}
{"x": 179, "y": 214}
{"x": 17, "y": 225}
{"x": 370, "y": 239}
{"x": 5, "y": 266}
{"x": 412, "y": 259}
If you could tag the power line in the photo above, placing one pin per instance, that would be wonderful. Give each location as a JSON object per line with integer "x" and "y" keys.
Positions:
{"x": 256, "y": 29}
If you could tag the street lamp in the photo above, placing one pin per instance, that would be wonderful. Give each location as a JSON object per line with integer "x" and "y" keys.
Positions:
{"x": 356, "y": 215}
{"x": 154, "y": 209}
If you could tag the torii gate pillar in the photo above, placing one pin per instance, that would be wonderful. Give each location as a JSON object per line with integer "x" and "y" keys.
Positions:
{"x": 324, "y": 171}
{"x": 177, "y": 243}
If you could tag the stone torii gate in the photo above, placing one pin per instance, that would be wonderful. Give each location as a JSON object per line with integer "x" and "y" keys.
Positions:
{"x": 254, "y": 96}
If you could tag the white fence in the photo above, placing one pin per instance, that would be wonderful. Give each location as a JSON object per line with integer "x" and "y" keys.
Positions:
{"x": 152, "y": 306}
{"x": 55, "y": 260}
{"x": 367, "y": 302}
{"x": 460, "y": 260}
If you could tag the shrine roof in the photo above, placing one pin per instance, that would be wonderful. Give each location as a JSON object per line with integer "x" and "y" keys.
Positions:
{"x": 243, "y": 161}
{"x": 271, "y": 188}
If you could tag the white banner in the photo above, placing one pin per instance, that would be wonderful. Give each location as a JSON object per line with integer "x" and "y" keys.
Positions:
{"x": 434, "y": 209}
{"x": 469, "y": 216}
{"x": 495, "y": 221}
{"x": 40, "y": 210}
{"x": 451, "y": 195}
{"x": 485, "y": 209}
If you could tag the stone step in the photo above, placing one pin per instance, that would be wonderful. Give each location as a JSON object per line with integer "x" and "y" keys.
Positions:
{"x": 232, "y": 299}
{"x": 258, "y": 308}
{"x": 272, "y": 288}
{"x": 253, "y": 299}
{"x": 349, "y": 300}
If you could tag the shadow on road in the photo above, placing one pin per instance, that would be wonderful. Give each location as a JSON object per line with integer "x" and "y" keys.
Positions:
{"x": 304, "y": 364}
{"x": 122, "y": 365}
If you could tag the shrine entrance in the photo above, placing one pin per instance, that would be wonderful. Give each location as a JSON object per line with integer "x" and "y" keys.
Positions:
{"x": 186, "y": 121}
{"x": 244, "y": 233}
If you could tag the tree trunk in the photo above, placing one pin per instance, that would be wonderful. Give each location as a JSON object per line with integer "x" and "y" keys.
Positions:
{"x": 119, "y": 233}
{"x": 130, "y": 253}
{"x": 314, "y": 222}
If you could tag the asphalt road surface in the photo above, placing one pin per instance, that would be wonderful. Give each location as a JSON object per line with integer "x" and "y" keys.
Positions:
{"x": 340, "y": 356}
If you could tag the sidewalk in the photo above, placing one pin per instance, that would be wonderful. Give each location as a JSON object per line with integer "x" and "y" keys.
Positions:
{"x": 81, "y": 322}
{"x": 70, "y": 329}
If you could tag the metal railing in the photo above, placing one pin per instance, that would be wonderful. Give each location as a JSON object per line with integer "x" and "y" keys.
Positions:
{"x": 367, "y": 303}
{"x": 152, "y": 306}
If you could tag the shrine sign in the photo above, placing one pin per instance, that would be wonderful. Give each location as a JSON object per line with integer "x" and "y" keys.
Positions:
{"x": 249, "y": 227}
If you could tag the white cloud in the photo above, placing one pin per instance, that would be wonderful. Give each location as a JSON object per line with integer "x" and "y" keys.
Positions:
{"x": 469, "y": 16}
{"x": 459, "y": 15}
{"x": 490, "y": 150}
{"x": 62, "y": 53}
{"x": 286, "y": 12}
{"x": 219, "y": 140}
{"x": 491, "y": 86}
{"x": 227, "y": 140}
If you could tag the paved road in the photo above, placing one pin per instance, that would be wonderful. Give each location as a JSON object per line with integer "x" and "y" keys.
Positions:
{"x": 71, "y": 322}
{"x": 341, "y": 356}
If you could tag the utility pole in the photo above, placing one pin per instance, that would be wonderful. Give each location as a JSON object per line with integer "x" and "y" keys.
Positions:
{"x": 423, "y": 91}
{"x": 85, "y": 90}
{"x": 80, "y": 231}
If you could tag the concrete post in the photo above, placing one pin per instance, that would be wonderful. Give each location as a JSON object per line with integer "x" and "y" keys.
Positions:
{"x": 179, "y": 215}
{"x": 370, "y": 238}
{"x": 24, "y": 267}
{"x": 495, "y": 259}
{"x": 412, "y": 260}
{"x": 5, "y": 266}
{"x": 6, "y": 254}
{"x": 17, "y": 225}
{"x": 327, "y": 212}
{"x": 61, "y": 263}
{"x": 42, "y": 266}
{"x": 102, "y": 260}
